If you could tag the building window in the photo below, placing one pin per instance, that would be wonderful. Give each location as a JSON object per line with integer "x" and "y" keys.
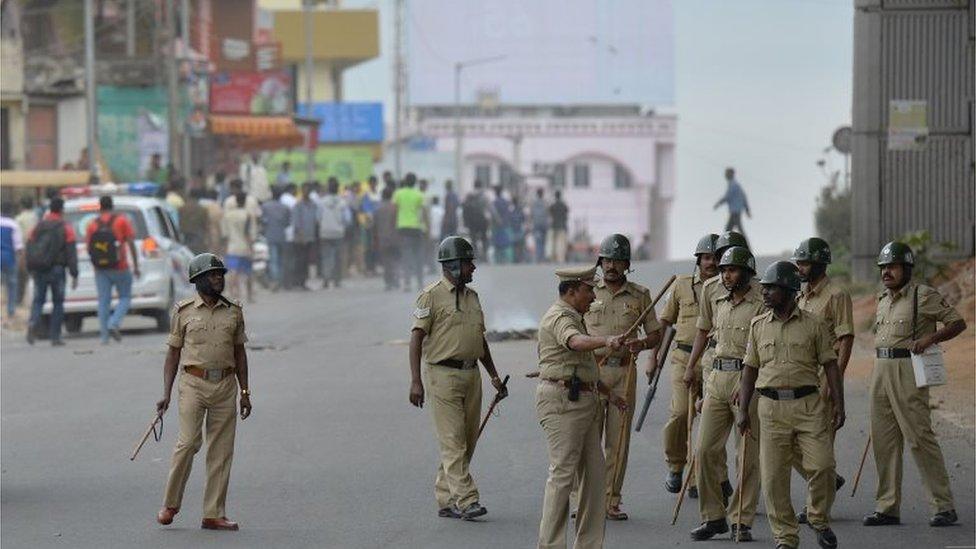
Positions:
{"x": 506, "y": 176}
{"x": 482, "y": 172}
{"x": 581, "y": 176}
{"x": 621, "y": 177}
{"x": 558, "y": 176}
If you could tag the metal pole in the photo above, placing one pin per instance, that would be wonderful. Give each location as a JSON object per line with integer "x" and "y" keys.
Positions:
{"x": 130, "y": 28}
{"x": 457, "y": 127}
{"x": 398, "y": 88}
{"x": 172, "y": 120}
{"x": 184, "y": 129}
{"x": 309, "y": 71}
{"x": 91, "y": 82}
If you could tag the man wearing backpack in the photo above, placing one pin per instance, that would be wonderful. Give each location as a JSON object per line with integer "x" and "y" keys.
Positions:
{"x": 51, "y": 250}
{"x": 108, "y": 237}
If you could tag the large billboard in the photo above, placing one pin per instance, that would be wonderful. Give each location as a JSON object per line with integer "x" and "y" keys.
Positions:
{"x": 347, "y": 122}
{"x": 251, "y": 92}
{"x": 552, "y": 51}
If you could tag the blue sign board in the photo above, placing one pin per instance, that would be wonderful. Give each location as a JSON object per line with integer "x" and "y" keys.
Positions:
{"x": 347, "y": 122}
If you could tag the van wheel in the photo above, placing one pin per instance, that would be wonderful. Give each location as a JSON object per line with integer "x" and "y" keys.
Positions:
{"x": 72, "y": 323}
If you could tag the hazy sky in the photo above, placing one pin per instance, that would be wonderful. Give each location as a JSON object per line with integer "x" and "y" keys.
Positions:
{"x": 759, "y": 85}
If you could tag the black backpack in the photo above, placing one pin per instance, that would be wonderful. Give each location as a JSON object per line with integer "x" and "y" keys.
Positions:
{"x": 45, "y": 249}
{"x": 103, "y": 248}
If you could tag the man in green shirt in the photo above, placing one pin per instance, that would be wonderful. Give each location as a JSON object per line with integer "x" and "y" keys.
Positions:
{"x": 411, "y": 223}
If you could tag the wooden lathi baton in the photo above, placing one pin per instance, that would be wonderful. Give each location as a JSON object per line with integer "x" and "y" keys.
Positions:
{"x": 742, "y": 476}
{"x": 625, "y": 425}
{"x": 149, "y": 430}
{"x": 860, "y": 469}
{"x": 491, "y": 408}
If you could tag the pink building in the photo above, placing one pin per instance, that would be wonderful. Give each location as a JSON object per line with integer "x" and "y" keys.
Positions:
{"x": 615, "y": 164}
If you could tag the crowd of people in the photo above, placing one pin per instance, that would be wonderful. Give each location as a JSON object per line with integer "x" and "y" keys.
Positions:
{"x": 330, "y": 232}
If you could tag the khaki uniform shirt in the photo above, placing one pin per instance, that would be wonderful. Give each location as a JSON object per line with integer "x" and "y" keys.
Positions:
{"x": 893, "y": 321}
{"x": 832, "y": 304}
{"x": 730, "y": 321}
{"x": 206, "y": 335}
{"x": 681, "y": 309}
{"x": 789, "y": 353}
{"x": 452, "y": 334}
{"x": 614, "y": 313}
{"x": 556, "y": 359}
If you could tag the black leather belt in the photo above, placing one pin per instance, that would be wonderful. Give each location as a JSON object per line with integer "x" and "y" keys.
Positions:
{"x": 727, "y": 364}
{"x": 683, "y": 347}
{"x": 787, "y": 394}
{"x": 459, "y": 364}
{"x": 893, "y": 352}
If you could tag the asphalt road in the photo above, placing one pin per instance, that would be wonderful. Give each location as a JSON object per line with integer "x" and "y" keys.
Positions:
{"x": 334, "y": 456}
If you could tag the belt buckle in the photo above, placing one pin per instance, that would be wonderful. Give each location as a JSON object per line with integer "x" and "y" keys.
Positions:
{"x": 211, "y": 374}
{"x": 613, "y": 361}
{"x": 785, "y": 394}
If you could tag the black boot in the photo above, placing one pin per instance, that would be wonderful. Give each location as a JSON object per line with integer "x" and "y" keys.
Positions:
{"x": 945, "y": 518}
{"x": 673, "y": 482}
{"x": 801, "y": 517}
{"x": 745, "y": 532}
{"x": 709, "y": 529}
{"x": 827, "y": 539}
{"x": 880, "y": 519}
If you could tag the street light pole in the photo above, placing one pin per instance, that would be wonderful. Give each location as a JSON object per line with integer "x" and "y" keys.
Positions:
{"x": 90, "y": 85}
{"x": 309, "y": 70}
{"x": 458, "y": 152}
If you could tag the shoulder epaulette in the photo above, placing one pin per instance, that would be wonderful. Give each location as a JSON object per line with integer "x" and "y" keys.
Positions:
{"x": 183, "y": 303}
{"x": 430, "y": 286}
{"x": 759, "y": 317}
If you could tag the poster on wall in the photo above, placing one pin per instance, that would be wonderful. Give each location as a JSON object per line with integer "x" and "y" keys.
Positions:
{"x": 256, "y": 93}
{"x": 131, "y": 128}
{"x": 908, "y": 127}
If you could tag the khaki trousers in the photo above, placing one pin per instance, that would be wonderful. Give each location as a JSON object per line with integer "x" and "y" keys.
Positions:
{"x": 455, "y": 405}
{"x": 900, "y": 412}
{"x": 717, "y": 422}
{"x": 792, "y": 428}
{"x": 216, "y": 403}
{"x": 572, "y": 432}
{"x": 828, "y": 407}
{"x": 675, "y": 431}
{"x": 611, "y": 419}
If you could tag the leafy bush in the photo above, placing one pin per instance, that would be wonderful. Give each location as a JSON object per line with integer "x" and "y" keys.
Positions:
{"x": 832, "y": 218}
{"x": 927, "y": 261}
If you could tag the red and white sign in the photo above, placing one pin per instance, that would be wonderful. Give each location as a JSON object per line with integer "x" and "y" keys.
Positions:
{"x": 258, "y": 93}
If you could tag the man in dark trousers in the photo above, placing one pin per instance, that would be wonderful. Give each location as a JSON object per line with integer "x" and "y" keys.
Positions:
{"x": 50, "y": 251}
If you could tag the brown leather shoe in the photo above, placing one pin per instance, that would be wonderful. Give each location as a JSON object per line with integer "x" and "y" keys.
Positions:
{"x": 219, "y": 524}
{"x": 166, "y": 514}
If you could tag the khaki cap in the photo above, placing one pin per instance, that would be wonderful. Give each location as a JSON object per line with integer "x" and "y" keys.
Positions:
{"x": 586, "y": 275}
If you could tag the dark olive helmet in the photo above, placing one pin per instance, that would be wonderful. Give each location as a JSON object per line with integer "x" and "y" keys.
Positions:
{"x": 814, "y": 250}
{"x": 896, "y": 252}
{"x": 728, "y": 239}
{"x": 783, "y": 274}
{"x": 204, "y": 263}
{"x": 454, "y": 247}
{"x": 706, "y": 245}
{"x": 738, "y": 256}
{"x": 615, "y": 246}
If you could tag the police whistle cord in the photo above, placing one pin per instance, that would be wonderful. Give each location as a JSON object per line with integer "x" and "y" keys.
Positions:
{"x": 151, "y": 430}
{"x": 652, "y": 390}
{"x": 643, "y": 315}
{"x": 491, "y": 408}
{"x": 860, "y": 468}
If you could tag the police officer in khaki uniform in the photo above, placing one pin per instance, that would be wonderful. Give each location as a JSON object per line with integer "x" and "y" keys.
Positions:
{"x": 206, "y": 341}
{"x": 681, "y": 311}
{"x": 906, "y": 323}
{"x": 617, "y": 306}
{"x": 449, "y": 332}
{"x": 826, "y": 299}
{"x": 729, "y": 316}
{"x": 569, "y": 412}
{"x": 787, "y": 347}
